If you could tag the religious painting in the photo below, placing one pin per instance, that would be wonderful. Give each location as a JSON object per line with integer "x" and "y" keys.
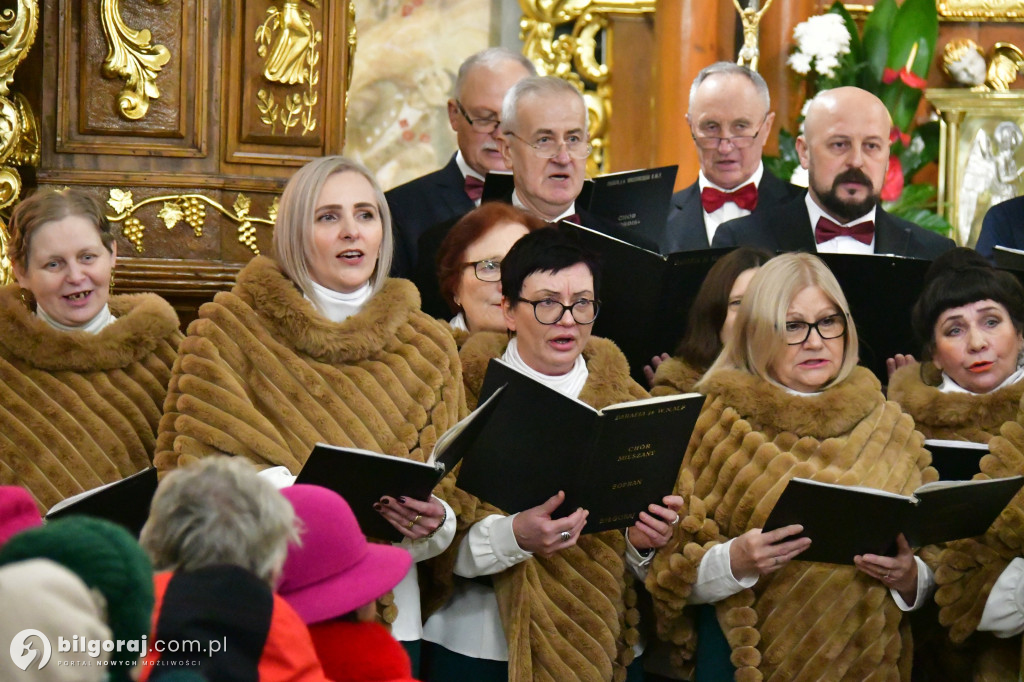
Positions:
{"x": 981, "y": 155}
{"x": 407, "y": 56}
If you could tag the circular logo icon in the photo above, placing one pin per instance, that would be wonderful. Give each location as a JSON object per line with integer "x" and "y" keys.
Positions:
{"x": 23, "y": 653}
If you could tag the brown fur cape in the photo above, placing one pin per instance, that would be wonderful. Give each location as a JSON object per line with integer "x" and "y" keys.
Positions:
{"x": 675, "y": 376}
{"x": 807, "y": 621}
{"x": 80, "y": 410}
{"x": 952, "y": 416}
{"x": 571, "y": 616}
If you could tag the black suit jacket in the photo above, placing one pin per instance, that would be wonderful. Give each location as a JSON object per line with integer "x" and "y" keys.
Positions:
{"x": 1003, "y": 226}
{"x": 420, "y": 204}
{"x": 685, "y": 229}
{"x": 788, "y": 228}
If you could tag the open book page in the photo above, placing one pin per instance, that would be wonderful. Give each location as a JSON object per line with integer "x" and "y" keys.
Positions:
{"x": 1008, "y": 249}
{"x": 482, "y": 411}
{"x": 68, "y": 501}
{"x": 615, "y": 239}
{"x": 961, "y": 444}
{"x": 650, "y": 401}
{"x": 857, "y": 488}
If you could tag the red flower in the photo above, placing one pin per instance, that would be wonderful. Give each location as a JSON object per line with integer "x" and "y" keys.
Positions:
{"x": 909, "y": 78}
{"x": 892, "y": 188}
{"x": 896, "y": 134}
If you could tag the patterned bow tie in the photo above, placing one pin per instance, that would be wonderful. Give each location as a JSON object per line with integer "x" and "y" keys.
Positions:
{"x": 745, "y": 197}
{"x": 826, "y": 229}
{"x": 474, "y": 188}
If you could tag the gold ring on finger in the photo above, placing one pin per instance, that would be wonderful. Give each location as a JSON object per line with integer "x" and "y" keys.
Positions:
{"x": 413, "y": 522}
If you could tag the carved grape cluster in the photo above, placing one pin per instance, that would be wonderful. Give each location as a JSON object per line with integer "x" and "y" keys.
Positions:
{"x": 195, "y": 214}
{"x": 133, "y": 230}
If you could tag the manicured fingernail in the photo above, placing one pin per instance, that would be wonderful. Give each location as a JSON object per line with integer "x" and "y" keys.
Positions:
{"x": 385, "y": 501}
{"x": 401, "y": 499}
{"x": 378, "y": 507}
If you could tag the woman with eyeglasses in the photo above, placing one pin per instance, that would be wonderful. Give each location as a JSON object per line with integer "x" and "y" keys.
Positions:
{"x": 530, "y": 597}
{"x": 319, "y": 345}
{"x": 710, "y": 321}
{"x": 469, "y": 265}
{"x": 786, "y": 399}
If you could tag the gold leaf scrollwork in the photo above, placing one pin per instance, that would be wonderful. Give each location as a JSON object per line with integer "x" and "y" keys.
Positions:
{"x": 289, "y": 43}
{"x": 563, "y": 38}
{"x": 19, "y": 130}
{"x": 131, "y": 55}
{"x": 187, "y": 208}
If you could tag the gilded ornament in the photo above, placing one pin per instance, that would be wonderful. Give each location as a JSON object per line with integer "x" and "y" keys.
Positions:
{"x": 131, "y": 55}
{"x": 572, "y": 54}
{"x": 981, "y": 10}
{"x": 289, "y": 43}
{"x": 750, "y": 17}
{"x": 187, "y": 208}
{"x": 963, "y": 61}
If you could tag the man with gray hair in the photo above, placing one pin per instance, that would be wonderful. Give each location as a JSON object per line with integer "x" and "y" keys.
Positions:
{"x": 730, "y": 119}
{"x": 474, "y": 113}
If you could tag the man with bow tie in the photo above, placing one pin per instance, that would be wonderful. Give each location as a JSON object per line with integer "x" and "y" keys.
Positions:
{"x": 730, "y": 119}
{"x": 845, "y": 149}
{"x": 475, "y": 115}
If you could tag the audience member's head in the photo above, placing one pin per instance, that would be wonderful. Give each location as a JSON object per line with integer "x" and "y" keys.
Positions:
{"x": 475, "y": 109}
{"x": 219, "y": 511}
{"x": 469, "y": 262}
{"x": 730, "y": 120}
{"x": 545, "y": 143}
{"x": 335, "y": 572}
{"x": 18, "y": 512}
{"x": 845, "y": 149}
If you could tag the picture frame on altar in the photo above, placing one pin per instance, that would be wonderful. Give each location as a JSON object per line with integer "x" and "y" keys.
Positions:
{"x": 980, "y": 10}
{"x": 981, "y": 155}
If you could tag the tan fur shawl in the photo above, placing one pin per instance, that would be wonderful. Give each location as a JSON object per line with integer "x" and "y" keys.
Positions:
{"x": 80, "y": 410}
{"x": 675, "y": 376}
{"x": 808, "y": 621}
{"x": 571, "y": 616}
{"x": 263, "y": 375}
{"x": 953, "y": 416}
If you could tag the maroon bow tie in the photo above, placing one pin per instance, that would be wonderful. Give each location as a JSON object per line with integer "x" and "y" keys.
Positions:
{"x": 826, "y": 229}
{"x": 474, "y": 188}
{"x": 745, "y": 197}
{"x": 573, "y": 218}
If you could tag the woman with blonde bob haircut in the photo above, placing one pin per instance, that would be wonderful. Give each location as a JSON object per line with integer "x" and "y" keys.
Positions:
{"x": 320, "y": 345}
{"x": 785, "y": 399}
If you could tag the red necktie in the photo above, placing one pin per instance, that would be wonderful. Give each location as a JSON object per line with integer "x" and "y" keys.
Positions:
{"x": 745, "y": 197}
{"x": 826, "y": 229}
{"x": 474, "y": 188}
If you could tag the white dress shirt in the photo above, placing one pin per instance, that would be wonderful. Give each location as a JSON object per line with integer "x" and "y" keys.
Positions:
{"x": 728, "y": 210}
{"x": 460, "y": 161}
{"x": 840, "y": 244}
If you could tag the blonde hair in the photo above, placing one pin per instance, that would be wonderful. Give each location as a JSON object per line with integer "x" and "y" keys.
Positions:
{"x": 757, "y": 340}
{"x": 293, "y": 229}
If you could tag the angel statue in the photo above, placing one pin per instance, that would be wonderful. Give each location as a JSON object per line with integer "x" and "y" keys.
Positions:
{"x": 751, "y": 18}
{"x": 991, "y": 176}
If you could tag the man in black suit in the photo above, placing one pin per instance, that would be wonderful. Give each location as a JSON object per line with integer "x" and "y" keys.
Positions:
{"x": 730, "y": 119}
{"x": 845, "y": 149}
{"x": 1003, "y": 226}
{"x": 474, "y": 113}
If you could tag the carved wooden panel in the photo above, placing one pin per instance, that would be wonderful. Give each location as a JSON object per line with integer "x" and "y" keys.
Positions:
{"x": 285, "y": 74}
{"x": 144, "y": 67}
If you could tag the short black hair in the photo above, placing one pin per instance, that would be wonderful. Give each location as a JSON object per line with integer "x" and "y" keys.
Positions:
{"x": 549, "y": 249}
{"x": 957, "y": 278}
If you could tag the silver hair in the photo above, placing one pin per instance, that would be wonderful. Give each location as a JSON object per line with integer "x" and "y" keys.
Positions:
{"x": 537, "y": 86}
{"x": 489, "y": 59}
{"x": 219, "y": 511}
{"x": 732, "y": 68}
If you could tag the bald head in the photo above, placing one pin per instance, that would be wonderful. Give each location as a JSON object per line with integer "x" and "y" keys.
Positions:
{"x": 845, "y": 149}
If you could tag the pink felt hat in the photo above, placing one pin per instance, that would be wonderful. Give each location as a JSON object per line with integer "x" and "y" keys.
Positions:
{"x": 18, "y": 512}
{"x": 336, "y": 570}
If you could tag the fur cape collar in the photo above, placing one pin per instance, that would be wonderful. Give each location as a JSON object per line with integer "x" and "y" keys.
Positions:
{"x": 675, "y": 375}
{"x": 288, "y": 315}
{"x": 143, "y": 321}
{"x": 607, "y": 366}
{"x": 932, "y": 408}
{"x": 831, "y": 413}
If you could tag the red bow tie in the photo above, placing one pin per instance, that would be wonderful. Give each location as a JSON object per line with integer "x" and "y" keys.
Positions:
{"x": 826, "y": 229}
{"x": 745, "y": 197}
{"x": 474, "y": 188}
{"x": 573, "y": 218}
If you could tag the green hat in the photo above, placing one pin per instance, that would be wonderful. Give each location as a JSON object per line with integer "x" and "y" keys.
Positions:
{"x": 107, "y": 558}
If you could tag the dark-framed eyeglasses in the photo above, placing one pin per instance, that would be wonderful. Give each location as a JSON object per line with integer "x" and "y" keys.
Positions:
{"x": 829, "y": 327}
{"x": 486, "y": 270}
{"x": 480, "y": 125}
{"x": 548, "y": 147}
{"x": 550, "y": 311}
{"x": 737, "y": 141}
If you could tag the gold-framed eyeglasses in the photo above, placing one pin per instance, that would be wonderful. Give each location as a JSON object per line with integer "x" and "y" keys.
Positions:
{"x": 737, "y": 141}
{"x": 829, "y": 327}
{"x": 486, "y": 270}
{"x": 547, "y": 147}
{"x": 550, "y": 311}
{"x": 480, "y": 125}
